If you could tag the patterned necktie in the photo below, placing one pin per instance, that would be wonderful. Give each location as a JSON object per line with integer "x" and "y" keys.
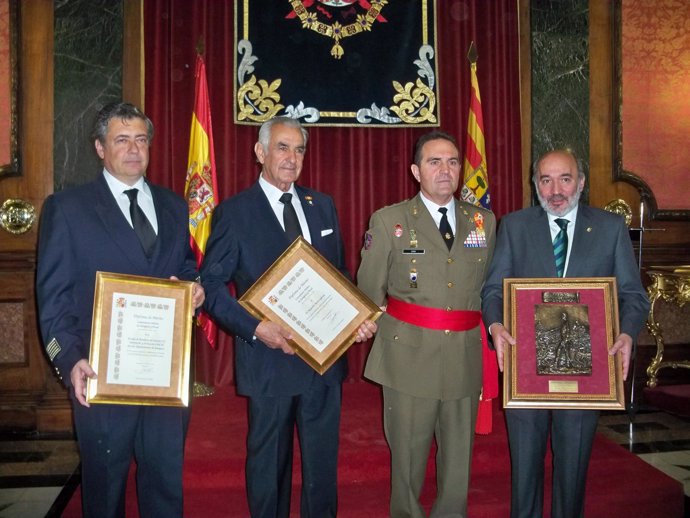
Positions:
{"x": 142, "y": 226}
{"x": 560, "y": 246}
{"x": 444, "y": 228}
{"x": 292, "y": 226}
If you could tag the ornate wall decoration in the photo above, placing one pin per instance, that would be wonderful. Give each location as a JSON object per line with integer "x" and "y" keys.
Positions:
{"x": 336, "y": 62}
{"x": 653, "y": 126}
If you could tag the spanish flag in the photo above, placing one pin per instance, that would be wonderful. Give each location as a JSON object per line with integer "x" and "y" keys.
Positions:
{"x": 475, "y": 190}
{"x": 200, "y": 186}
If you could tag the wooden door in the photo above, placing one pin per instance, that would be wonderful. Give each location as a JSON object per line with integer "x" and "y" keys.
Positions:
{"x": 32, "y": 397}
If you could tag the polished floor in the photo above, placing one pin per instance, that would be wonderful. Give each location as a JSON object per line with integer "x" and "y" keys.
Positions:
{"x": 39, "y": 475}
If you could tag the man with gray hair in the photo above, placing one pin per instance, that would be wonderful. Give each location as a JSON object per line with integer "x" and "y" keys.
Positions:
{"x": 560, "y": 238}
{"x": 249, "y": 232}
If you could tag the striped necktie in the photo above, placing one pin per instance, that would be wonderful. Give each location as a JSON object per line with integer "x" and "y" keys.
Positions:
{"x": 560, "y": 246}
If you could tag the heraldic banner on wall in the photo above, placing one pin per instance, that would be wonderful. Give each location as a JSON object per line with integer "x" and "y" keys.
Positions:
{"x": 336, "y": 62}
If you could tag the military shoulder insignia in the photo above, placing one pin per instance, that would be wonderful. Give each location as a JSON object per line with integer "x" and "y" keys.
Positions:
{"x": 368, "y": 239}
{"x": 53, "y": 349}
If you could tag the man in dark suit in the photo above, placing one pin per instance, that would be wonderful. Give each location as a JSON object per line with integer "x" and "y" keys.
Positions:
{"x": 250, "y": 231}
{"x": 598, "y": 245}
{"x": 88, "y": 229}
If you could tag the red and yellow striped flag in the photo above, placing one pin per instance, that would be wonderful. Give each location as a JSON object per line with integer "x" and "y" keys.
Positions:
{"x": 200, "y": 186}
{"x": 475, "y": 190}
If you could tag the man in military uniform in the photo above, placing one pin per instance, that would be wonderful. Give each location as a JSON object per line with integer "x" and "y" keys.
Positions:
{"x": 426, "y": 259}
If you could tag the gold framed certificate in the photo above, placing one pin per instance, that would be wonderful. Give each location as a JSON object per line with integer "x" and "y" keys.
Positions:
{"x": 304, "y": 292}
{"x": 564, "y": 328}
{"x": 140, "y": 341}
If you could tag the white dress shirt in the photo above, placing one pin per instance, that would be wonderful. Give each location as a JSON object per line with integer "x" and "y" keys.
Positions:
{"x": 273, "y": 194}
{"x": 570, "y": 230}
{"x": 144, "y": 198}
{"x": 433, "y": 210}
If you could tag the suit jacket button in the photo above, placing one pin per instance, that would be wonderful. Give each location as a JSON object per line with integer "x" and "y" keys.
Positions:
{"x": 449, "y": 308}
{"x": 395, "y": 337}
{"x": 450, "y": 284}
{"x": 447, "y": 331}
{"x": 449, "y": 260}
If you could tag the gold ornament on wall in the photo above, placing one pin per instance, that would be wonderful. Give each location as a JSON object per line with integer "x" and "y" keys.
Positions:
{"x": 335, "y": 30}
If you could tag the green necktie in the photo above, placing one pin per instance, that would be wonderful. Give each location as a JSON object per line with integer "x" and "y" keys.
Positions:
{"x": 560, "y": 246}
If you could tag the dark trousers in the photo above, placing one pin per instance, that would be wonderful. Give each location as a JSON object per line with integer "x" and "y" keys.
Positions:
{"x": 109, "y": 436}
{"x": 572, "y": 435}
{"x": 272, "y": 422}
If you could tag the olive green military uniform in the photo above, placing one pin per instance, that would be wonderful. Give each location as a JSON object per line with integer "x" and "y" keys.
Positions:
{"x": 431, "y": 378}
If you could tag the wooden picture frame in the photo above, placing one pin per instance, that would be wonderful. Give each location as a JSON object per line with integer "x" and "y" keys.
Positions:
{"x": 140, "y": 341}
{"x": 306, "y": 293}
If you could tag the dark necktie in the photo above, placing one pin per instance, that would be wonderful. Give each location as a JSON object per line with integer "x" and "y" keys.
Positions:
{"x": 292, "y": 227}
{"x": 444, "y": 228}
{"x": 142, "y": 226}
{"x": 560, "y": 246}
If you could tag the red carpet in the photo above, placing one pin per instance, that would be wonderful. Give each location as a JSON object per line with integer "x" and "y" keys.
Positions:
{"x": 620, "y": 484}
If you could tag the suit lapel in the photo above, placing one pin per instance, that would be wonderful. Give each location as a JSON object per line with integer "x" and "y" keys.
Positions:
{"x": 425, "y": 224}
{"x": 271, "y": 228}
{"x": 582, "y": 234}
{"x": 313, "y": 215}
{"x": 166, "y": 228}
{"x": 539, "y": 237}
{"x": 116, "y": 226}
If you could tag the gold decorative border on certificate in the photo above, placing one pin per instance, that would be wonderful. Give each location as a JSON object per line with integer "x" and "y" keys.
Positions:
{"x": 301, "y": 250}
{"x": 570, "y": 391}
{"x": 99, "y": 390}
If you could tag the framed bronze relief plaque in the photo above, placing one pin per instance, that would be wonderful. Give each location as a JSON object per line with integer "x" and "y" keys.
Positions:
{"x": 563, "y": 329}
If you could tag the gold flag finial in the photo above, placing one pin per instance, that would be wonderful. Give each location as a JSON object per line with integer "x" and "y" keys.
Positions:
{"x": 472, "y": 55}
{"x": 200, "y": 46}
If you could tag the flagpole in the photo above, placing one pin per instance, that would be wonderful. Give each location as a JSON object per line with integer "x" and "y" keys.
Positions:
{"x": 201, "y": 190}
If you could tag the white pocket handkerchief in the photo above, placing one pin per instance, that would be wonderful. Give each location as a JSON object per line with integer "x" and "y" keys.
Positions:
{"x": 326, "y": 232}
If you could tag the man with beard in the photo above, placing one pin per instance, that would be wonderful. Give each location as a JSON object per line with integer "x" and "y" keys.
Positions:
{"x": 531, "y": 244}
